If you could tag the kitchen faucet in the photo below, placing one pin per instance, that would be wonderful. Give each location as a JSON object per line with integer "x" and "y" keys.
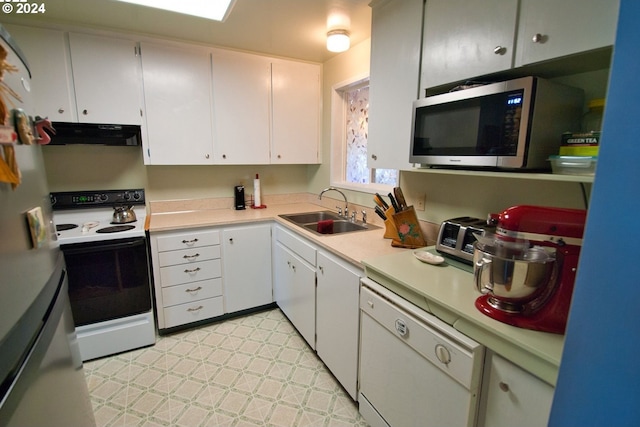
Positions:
{"x": 346, "y": 205}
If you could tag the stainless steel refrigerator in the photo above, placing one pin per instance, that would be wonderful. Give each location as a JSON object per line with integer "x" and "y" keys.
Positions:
{"x": 42, "y": 381}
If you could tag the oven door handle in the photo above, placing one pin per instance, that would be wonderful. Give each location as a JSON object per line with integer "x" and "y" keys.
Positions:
{"x": 101, "y": 246}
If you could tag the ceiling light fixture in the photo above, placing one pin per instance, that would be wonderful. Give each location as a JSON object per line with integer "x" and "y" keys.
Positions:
{"x": 338, "y": 41}
{"x": 216, "y": 10}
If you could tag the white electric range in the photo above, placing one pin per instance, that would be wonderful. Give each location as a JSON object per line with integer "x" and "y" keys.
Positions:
{"x": 108, "y": 270}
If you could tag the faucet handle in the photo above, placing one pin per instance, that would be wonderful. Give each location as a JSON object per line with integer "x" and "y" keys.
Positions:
{"x": 364, "y": 216}
{"x": 339, "y": 210}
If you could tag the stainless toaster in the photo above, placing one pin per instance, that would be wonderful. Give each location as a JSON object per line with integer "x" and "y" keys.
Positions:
{"x": 456, "y": 239}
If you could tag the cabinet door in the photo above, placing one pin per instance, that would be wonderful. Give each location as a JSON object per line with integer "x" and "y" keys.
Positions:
{"x": 509, "y": 393}
{"x": 296, "y": 112}
{"x": 463, "y": 40}
{"x": 247, "y": 267}
{"x": 107, "y": 79}
{"x": 337, "y": 319}
{"x": 550, "y": 29}
{"x": 396, "y": 30}
{"x": 48, "y": 55}
{"x": 294, "y": 291}
{"x": 241, "y": 108}
{"x": 177, "y": 95}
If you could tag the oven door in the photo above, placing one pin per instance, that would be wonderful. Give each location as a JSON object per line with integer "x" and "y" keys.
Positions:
{"x": 108, "y": 279}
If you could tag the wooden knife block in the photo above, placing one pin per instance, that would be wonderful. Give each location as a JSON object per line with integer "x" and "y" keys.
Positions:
{"x": 404, "y": 229}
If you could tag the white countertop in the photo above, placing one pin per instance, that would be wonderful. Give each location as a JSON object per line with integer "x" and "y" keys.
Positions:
{"x": 353, "y": 247}
{"x": 445, "y": 291}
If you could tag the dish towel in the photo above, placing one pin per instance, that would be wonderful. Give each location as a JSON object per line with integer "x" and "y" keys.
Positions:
{"x": 325, "y": 227}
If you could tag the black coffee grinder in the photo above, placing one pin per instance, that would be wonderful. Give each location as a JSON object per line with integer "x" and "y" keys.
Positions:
{"x": 239, "y": 197}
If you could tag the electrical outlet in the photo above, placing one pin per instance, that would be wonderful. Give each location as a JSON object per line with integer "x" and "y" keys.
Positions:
{"x": 420, "y": 201}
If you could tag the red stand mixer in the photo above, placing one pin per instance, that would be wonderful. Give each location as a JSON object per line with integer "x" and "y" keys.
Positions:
{"x": 527, "y": 269}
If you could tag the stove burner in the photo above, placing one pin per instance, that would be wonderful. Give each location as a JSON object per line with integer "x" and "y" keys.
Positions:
{"x": 65, "y": 227}
{"x": 116, "y": 229}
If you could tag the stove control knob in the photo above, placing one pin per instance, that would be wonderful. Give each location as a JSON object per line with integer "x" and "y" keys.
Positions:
{"x": 103, "y": 197}
{"x": 126, "y": 195}
{"x": 136, "y": 195}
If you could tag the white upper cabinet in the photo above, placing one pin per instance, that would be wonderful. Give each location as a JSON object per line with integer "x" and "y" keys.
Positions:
{"x": 395, "y": 39}
{"x": 178, "y": 104}
{"x": 296, "y": 109}
{"x": 550, "y": 29}
{"x": 51, "y": 83}
{"x": 241, "y": 107}
{"x": 106, "y": 77}
{"x": 462, "y": 40}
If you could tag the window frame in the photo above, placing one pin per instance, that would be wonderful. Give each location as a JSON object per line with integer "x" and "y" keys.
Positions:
{"x": 339, "y": 138}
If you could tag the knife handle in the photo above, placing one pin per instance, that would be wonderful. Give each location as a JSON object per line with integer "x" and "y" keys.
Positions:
{"x": 380, "y": 202}
{"x": 378, "y": 210}
{"x": 393, "y": 203}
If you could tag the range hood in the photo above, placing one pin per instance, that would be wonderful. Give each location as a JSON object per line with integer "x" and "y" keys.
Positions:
{"x": 95, "y": 134}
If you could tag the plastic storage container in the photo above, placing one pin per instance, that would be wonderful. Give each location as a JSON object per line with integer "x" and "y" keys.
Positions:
{"x": 573, "y": 165}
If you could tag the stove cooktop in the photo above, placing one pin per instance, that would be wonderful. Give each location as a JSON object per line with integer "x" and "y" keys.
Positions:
{"x": 85, "y": 216}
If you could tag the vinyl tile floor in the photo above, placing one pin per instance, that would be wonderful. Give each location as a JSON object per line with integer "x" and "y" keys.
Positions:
{"x": 254, "y": 370}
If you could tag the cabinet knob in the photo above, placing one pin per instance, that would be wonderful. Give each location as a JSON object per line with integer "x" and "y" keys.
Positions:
{"x": 499, "y": 50}
{"x": 85, "y": 112}
{"x": 503, "y": 386}
{"x": 224, "y": 156}
{"x": 206, "y": 156}
{"x": 60, "y": 110}
{"x": 321, "y": 268}
{"x": 538, "y": 38}
{"x": 279, "y": 156}
{"x": 231, "y": 240}
{"x": 374, "y": 157}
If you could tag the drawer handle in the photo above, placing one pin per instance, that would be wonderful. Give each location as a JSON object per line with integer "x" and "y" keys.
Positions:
{"x": 191, "y": 256}
{"x": 193, "y": 290}
{"x": 504, "y": 386}
{"x": 192, "y": 309}
{"x": 189, "y": 242}
{"x": 195, "y": 270}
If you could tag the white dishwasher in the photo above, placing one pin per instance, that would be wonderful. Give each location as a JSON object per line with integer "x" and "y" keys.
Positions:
{"x": 415, "y": 370}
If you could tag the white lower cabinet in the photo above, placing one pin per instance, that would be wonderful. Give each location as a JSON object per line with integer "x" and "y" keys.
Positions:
{"x": 246, "y": 255}
{"x": 187, "y": 274}
{"x": 319, "y": 293}
{"x": 337, "y": 318}
{"x": 512, "y": 396}
{"x": 294, "y": 290}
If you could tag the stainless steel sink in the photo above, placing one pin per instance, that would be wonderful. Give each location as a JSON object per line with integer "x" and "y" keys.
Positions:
{"x": 309, "y": 217}
{"x": 309, "y": 221}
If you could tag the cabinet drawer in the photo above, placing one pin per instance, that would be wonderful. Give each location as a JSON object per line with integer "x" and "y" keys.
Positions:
{"x": 191, "y": 292}
{"x": 186, "y": 273}
{"x": 188, "y": 256}
{"x": 297, "y": 245}
{"x": 188, "y": 240}
{"x": 193, "y": 312}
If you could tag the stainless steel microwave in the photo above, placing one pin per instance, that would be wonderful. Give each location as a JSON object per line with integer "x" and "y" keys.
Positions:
{"x": 515, "y": 124}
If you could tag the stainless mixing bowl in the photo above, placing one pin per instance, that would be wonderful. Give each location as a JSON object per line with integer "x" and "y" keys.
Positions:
{"x": 512, "y": 276}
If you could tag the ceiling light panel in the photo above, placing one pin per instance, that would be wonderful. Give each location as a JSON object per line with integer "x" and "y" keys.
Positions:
{"x": 216, "y": 10}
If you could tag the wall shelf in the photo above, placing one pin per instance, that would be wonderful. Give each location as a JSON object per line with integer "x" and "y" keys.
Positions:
{"x": 511, "y": 175}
